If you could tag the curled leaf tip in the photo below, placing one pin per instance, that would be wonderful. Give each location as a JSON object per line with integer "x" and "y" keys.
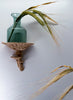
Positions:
{"x": 61, "y": 67}
{"x": 66, "y": 92}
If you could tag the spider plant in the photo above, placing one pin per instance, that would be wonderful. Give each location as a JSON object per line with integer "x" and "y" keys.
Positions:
{"x": 58, "y": 76}
{"x": 40, "y": 17}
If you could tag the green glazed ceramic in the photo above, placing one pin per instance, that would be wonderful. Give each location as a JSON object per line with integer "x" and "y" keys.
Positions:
{"x": 19, "y": 34}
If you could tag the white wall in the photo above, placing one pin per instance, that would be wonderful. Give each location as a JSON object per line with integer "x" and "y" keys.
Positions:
{"x": 43, "y": 57}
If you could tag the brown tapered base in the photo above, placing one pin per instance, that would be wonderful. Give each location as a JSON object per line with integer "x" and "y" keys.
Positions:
{"x": 18, "y": 55}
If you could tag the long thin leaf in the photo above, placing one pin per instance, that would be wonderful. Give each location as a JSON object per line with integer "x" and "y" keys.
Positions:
{"x": 60, "y": 67}
{"x": 66, "y": 92}
{"x": 48, "y": 27}
{"x": 50, "y": 18}
{"x": 40, "y": 5}
{"x": 56, "y": 78}
{"x": 34, "y": 11}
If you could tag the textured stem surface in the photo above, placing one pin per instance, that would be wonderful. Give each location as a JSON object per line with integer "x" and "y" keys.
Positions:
{"x": 18, "y": 56}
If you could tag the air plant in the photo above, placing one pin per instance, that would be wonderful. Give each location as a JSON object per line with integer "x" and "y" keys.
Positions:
{"x": 41, "y": 18}
{"x": 58, "y": 76}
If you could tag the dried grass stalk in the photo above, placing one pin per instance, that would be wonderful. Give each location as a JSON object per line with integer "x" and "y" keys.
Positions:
{"x": 43, "y": 14}
{"x": 48, "y": 26}
{"x": 61, "y": 67}
{"x": 66, "y": 92}
{"x": 56, "y": 78}
{"x": 40, "y": 5}
{"x": 50, "y": 18}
